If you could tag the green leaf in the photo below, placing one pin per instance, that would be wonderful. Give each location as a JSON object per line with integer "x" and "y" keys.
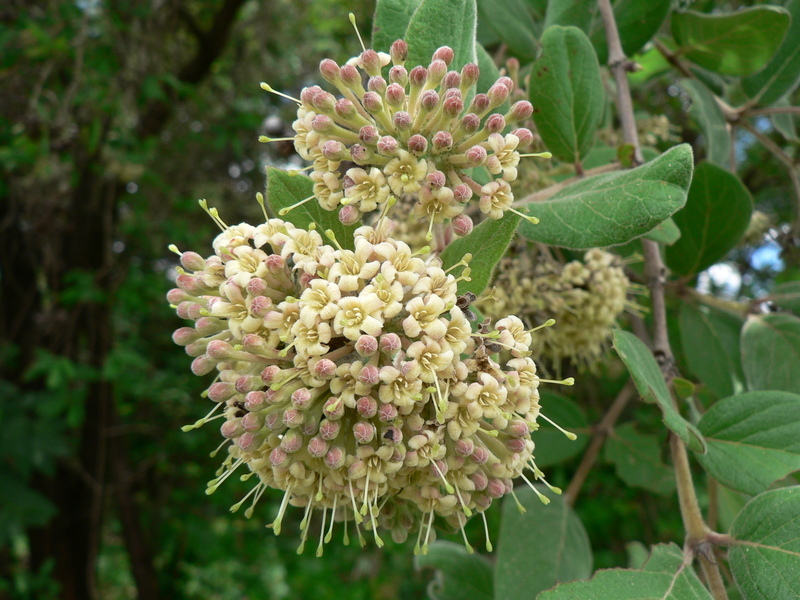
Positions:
{"x": 512, "y": 22}
{"x": 715, "y": 217}
{"x": 782, "y": 75}
{"x": 637, "y": 460}
{"x": 391, "y": 21}
{"x": 710, "y": 341}
{"x": 487, "y": 243}
{"x": 664, "y": 576}
{"x": 707, "y": 114}
{"x": 578, "y": 13}
{"x": 738, "y": 43}
{"x": 787, "y": 296}
{"x": 566, "y": 93}
{"x": 438, "y": 23}
{"x": 652, "y": 63}
{"x": 459, "y": 574}
{"x": 765, "y": 560}
{"x": 652, "y": 387}
{"x": 283, "y": 190}
{"x": 753, "y": 439}
{"x": 538, "y": 549}
{"x": 771, "y": 352}
{"x": 665, "y": 233}
{"x": 552, "y": 446}
{"x": 637, "y": 21}
{"x": 613, "y": 208}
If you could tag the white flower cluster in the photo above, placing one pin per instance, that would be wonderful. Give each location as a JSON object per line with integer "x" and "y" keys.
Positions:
{"x": 585, "y": 299}
{"x": 352, "y": 381}
{"x": 414, "y": 135}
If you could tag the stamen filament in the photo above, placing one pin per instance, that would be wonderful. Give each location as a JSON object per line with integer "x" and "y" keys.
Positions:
{"x": 268, "y": 88}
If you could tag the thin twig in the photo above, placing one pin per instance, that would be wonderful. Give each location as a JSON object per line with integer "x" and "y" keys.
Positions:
{"x": 774, "y": 110}
{"x": 601, "y": 431}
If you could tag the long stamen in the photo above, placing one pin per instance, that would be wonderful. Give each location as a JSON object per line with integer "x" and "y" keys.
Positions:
{"x": 286, "y": 210}
{"x": 266, "y": 139}
{"x": 322, "y": 531}
{"x": 218, "y": 448}
{"x": 548, "y": 323}
{"x": 461, "y": 520}
{"x": 419, "y": 537}
{"x": 304, "y": 527}
{"x": 428, "y": 533}
{"x": 329, "y": 535}
{"x": 486, "y": 531}
{"x": 238, "y": 505}
{"x": 268, "y": 88}
{"x": 276, "y": 524}
{"x": 537, "y": 155}
{"x": 356, "y": 515}
{"x": 530, "y": 219}
{"x": 352, "y": 18}
{"x": 542, "y": 497}
{"x": 569, "y": 434}
{"x": 213, "y": 213}
{"x": 522, "y": 510}
{"x": 249, "y": 512}
{"x": 215, "y": 483}
{"x": 260, "y": 200}
{"x": 567, "y": 381}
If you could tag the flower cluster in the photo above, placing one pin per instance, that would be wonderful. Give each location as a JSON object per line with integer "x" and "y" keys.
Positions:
{"x": 352, "y": 380}
{"x": 411, "y": 134}
{"x": 584, "y": 298}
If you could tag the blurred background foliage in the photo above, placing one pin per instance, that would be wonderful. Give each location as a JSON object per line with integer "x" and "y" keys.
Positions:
{"x": 115, "y": 117}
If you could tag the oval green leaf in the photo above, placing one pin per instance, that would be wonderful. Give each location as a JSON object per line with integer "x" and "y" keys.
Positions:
{"x": 651, "y": 385}
{"x": 459, "y": 574}
{"x": 487, "y": 243}
{"x": 284, "y": 190}
{"x": 765, "y": 560}
{"x": 637, "y": 21}
{"x": 614, "y": 208}
{"x": 771, "y": 352}
{"x": 438, "y": 23}
{"x": 665, "y": 233}
{"x": 578, "y": 13}
{"x": 710, "y": 341}
{"x": 707, "y": 114}
{"x": 567, "y": 93}
{"x": 538, "y": 549}
{"x": 512, "y": 22}
{"x": 782, "y": 75}
{"x": 738, "y": 43}
{"x": 715, "y": 217}
{"x": 753, "y": 439}
{"x": 637, "y": 460}
{"x": 664, "y": 576}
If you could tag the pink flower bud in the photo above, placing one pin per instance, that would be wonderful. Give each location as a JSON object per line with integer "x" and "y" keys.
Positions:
{"x": 469, "y": 75}
{"x": 453, "y": 106}
{"x": 399, "y": 75}
{"x": 247, "y": 383}
{"x": 292, "y": 441}
{"x": 464, "y": 447}
{"x": 345, "y": 109}
{"x": 366, "y": 345}
{"x": 333, "y": 408}
{"x": 369, "y": 135}
{"x": 197, "y": 348}
{"x": 496, "y": 488}
{"x": 254, "y": 401}
{"x": 497, "y": 94}
{"x": 310, "y": 425}
{"x": 495, "y": 123}
{"x": 520, "y": 111}
{"x": 329, "y": 429}
{"x": 369, "y": 375}
{"x": 364, "y": 432}
{"x": 293, "y": 418}
{"x": 317, "y": 447}
{"x": 480, "y": 455}
{"x": 398, "y": 51}
{"x": 417, "y": 144}
{"x": 335, "y": 458}
{"x": 476, "y": 156}
{"x": 390, "y": 343}
{"x": 218, "y": 349}
{"x": 442, "y": 140}
{"x": 260, "y": 306}
{"x": 462, "y": 225}
{"x": 189, "y": 283}
{"x": 361, "y": 155}
{"x": 470, "y": 122}
{"x": 269, "y": 374}
{"x": 256, "y": 286}
{"x": 445, "y": 53}
{"x": 479, "y": 480}
{"x": 334, "y": 150}
{"x": 462, "y": 193}
{"x": 516, "y": 445}
{"x": 436, "y": 179}
{"x": 231, "y": 429}
{"x": 308, "y": 94}
{"x": 329, "y": 70}
{"x": 176, "y": 296}
{"x": 185, "y": 336}
{"x": 518, "y": 428}
{"x": 418, "y": 76}
{"x": 350, "y": 76}
{"x": 301, "y": 398}
{"x": 377, "y": 84}
{"x": 508, "y": 82}
{"x": 480, "y": 104}
{"x": 324, "y": 369}
{"x": 387, "y": 145}
{"x": 279, "y": 458}
{"x": 193, "y": 261}
{"x": 273, "y": 421}
{"x": 323, "y": 124}
{"x": 370, "y": 62}
{"x": 372, "y": 102}
{"x": 249, "y": 442}
{"x": 395, "y": 95}
{"x": 367, "y": 407}
{"x": 451, "y": 80}
{"x": 275, "y": 263}
{"x": 387, "y": 413}
{"x": 525, "y": 137}
{"x": 348, "y": 215}
{"x": 324, "y": 102}
{"x": 429, "y": 100}
{"x": 252, "y": 422}
{"x": 221, "y": 391}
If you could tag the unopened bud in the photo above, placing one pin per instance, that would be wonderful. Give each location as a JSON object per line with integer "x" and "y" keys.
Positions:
{"x": 324, "y": 369}
{"x": 464, "y": 447}
{"x": 476, "y": 156}
{"x": 221, "y": 391}
{"x": 252, "y": 422}
{"x": 249, "y": 442}
{"x": 366, "y": 345}
{"x": 525, "y": 137}
{"x": 369, "y": 375}
{"x": 345, "y": 109}
{"x": 293, "y": 418}
{"x": 369, "y": 135}
{"x": 255, "y": 400}
{"x": 279, "y": 458}
{"x": 364, "y": 432}
{"x": 520, "y": 111}
{"x": 453, "y": 105}
{"x": 417, "y": 144}
{"x": 442, "y": 140}
{"x": 329, "y": 429}
{"x": 350, "y": 76}
{"x": 387, "y": 413}
{"x": 462, "y": 225}
{"x": 370, "y": 62}
{"x": 301, "y": 398}
{"x": 436, "y": 179}
{"x": 436, "y": 72}
{"x": 372, "y": 102}
{"x": 390, "y": 343}
{"x": 348, "y": 215}
{"x": 335, "y": 458}
{"x": 508, "y": 82}
{"x": 323, "y": 124}
{"x": 231, "y": 429}
{"x": 399, "y": 75}
{"x": 334, "y": 150}
{"x": 377, "y": 84}
{"x": 470, "y": 122}
{"x": 480, "y": 104}
{"x": 451, "y": 80}
{"x": 387, "y": 145}
{"x": 329, "y": 71}
{"x": 469, "y": 75}
{"x": 445, "y": 54}
{"x": 193, "y": 261}
{"x": 292, "y": 441}
{"x": 317, "y": 447}
{"x": 418, "y": 76}
{"x": 398, "y": 52}
{"x": 495, "y": 123}
{"x": 367, "y": 407}
{"x": 429, "y": 100}
{"x": 333, "y": 408}
{"x": 395, "y": 95}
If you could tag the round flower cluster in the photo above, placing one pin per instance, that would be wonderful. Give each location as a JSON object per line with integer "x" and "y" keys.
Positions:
{"x": 352, "y": 380}
{"x": 584, "y": 299}
{"x": 410, "y": 134}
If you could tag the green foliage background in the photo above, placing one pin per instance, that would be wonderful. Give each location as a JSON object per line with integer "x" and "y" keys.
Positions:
{"x": 117, "y": 116}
